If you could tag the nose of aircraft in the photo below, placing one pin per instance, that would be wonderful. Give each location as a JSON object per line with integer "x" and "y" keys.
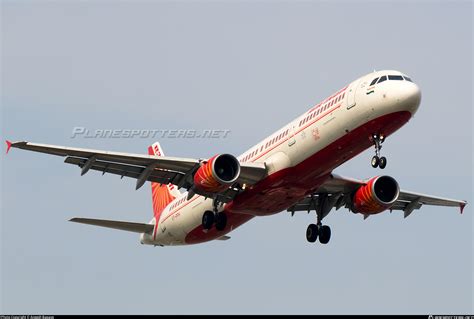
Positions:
{"x": 409, "y": 96}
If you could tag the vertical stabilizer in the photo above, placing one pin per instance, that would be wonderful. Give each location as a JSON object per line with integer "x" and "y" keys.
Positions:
{"x": 161, "y": 194}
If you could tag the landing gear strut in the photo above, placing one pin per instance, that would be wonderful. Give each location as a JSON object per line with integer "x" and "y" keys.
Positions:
{"x": 381, "y": 162}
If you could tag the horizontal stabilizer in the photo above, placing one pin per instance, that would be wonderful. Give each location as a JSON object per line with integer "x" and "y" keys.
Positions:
{"x": 115, "y": 224}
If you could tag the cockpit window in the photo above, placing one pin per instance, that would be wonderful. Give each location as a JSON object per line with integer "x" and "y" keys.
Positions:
{"x": 407, "y": 78}
{"x": 383, "y": 78}
{"x": 395, "y": 77}
{"x": 374, "y": 81}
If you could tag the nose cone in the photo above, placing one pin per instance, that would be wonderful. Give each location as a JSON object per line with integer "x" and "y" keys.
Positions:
{"x": 409, "y": 97}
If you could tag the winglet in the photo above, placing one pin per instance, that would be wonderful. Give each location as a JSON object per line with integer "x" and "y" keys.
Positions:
{"x": 461, "y": 206}
{"x": 9, "y": 145}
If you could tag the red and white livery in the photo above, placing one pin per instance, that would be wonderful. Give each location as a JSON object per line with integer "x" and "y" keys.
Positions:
{"x": 291, "y": 170}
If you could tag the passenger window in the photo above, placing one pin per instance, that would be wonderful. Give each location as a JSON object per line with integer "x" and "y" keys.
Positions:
{"x": 374, "y": 81}
{"x": 383, "y": 78}
{"x": 395, "y": 77}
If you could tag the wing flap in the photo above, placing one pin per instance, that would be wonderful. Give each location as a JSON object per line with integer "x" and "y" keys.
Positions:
{"x": 157, "y": 175}
{"x": 115, "y": 224}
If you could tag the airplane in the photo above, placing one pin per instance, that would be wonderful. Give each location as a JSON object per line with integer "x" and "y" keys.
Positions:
{"x": 199, "y": 200}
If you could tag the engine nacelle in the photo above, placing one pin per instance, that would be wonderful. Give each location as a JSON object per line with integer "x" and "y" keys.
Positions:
{"x": 379, "y": 194}
{"x": 218, "y": 173}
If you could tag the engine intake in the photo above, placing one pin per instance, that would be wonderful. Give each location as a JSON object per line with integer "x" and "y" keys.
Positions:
{"x": 379, "y": 194}
{"x": 218, "y": 173}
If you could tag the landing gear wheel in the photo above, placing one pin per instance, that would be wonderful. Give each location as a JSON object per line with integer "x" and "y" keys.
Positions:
{"x": 207, "y": 220}
{"x": 375, "y": 161}
{"x": 324, "y": 234}
{"x": 312, "y": 233}
{"x": 382, "y": 162}
{"x": 221, "y": 221}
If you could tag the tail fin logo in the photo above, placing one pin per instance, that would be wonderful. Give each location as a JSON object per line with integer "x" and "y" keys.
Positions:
{"x": 161, "y": 194}
{"x": 156, "y": 150}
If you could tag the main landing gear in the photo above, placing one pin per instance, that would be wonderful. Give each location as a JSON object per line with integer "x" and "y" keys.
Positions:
{"x": 381, "y": 162}
{"x": 322, "y": 207}
{"x": 209, "y": 218}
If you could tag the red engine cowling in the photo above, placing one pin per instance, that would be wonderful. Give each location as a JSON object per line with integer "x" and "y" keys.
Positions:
{"x": 218, "y": 173}
{"x": 379, "y": 194}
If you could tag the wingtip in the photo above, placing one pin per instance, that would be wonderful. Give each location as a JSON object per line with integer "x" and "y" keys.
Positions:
{"x": 9, "y": 145}
{"x": 461, "y": 206}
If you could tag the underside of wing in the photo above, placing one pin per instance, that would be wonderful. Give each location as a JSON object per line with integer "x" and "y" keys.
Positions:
{"x": 159, "y": 169}
{"x": 339, "y": 192}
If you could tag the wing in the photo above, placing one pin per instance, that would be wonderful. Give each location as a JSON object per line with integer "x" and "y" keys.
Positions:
{"x": 337, "y": 191}
{"x": 159, "y": 169}
{"x": 115, "y": 224}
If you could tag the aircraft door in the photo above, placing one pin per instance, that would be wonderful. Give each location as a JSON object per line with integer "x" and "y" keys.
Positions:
{"x": 351, "y": 94}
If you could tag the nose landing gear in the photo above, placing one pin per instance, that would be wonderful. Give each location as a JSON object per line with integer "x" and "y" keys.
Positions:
{"x": 378, "y": 161}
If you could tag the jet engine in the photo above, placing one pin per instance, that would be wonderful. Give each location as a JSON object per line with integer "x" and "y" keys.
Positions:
{"x": 218, "y": 173}
{"x": 379, "y": 194}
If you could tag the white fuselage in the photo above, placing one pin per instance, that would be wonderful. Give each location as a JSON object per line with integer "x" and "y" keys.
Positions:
{"x": 348, "y": 109}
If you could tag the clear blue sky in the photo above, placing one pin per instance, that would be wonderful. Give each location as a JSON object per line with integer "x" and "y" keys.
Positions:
{"x": 250, "y": 68}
